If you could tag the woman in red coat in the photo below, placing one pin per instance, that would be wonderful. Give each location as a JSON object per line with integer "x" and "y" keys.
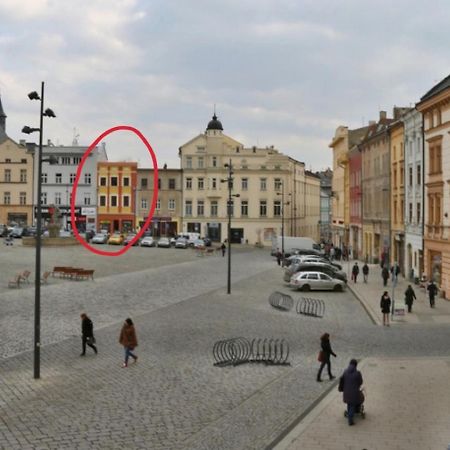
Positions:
{"x": 129, "y": 340}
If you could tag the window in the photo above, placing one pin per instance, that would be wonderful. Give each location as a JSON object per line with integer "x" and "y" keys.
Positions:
{"x": 419, "y": 174}
{"x": 188, "y": 208}
{"x": 43, "y": 198}
{"x": 65, "y": 160}
{"x": 7, "y": 176}
{"x": 7, "y": 198}
{"x": 23, "y": 161}
{"x": 87, "y": 198}
{"x": 72, "y": 178}
{"x": 126, "y": 181}
{"x": 144, "y": 183}
{"x": 171, "y": 183}
{"x": 200, "y": 162}
{"x": 159, "y": 183}
{"x": 418, "y": 213}
{"x": 76, "y": 160}
{"x": 7, "y": 160}
{"x": 324, "y": 276}
{"x": 214, "y": 208}
{"x": 58, "y": 178}
{"x": 102, "y": 200}
{"x": 277, "y": 208}
{"x": 263, "y": 208}
{"x": 189, "y": 162}
{"x": 410, "y": 214}
{"x": 244, "y": 208}
{"x": 171, "y": 205}
{"x": 113, "y": 200}
{"x": 144, "y": 203}
{"x": 410, "y": 176}
{"x": 23, "y": 175}
{"x": 44, "y": 178}
{"x": 126, "y": 201}
{"x": 214, "y": 183}
{"x": 23, "y": 198}
{"x": 263, "y": 184}
{"x": 102, "y": 181}
{"x": 158, "y": 204}
{"x": 200, "y": 208}
{"x": 201, "y": 184}
{"x": 244, "y": 184}
{"x": 113, "y": 181}
{"x": 87, "y": 178}
{"x": 189, "y": 183}
{"x": 214, "y": 161}
{"x": 277, "y": 184}
{"x": 435, "y": 158}
{"x": 57, "y": 198}
{"x": 313, "y": 276}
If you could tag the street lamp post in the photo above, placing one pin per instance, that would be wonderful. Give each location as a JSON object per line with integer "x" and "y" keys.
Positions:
{"x": 37, "y": 295}
{"x": 229, "y": 181}
{"x": 282, "y": 217}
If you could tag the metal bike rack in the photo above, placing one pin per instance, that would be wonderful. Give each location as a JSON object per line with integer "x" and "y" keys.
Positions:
{"x": 313, "y": 307}
{"x": 281, "y": 301}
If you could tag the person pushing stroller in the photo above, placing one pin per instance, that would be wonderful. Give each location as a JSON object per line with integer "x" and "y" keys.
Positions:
{"x": 350, "y": 385}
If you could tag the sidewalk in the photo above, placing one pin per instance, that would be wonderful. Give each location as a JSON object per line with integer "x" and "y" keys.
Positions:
{"x": 406, "y": 403}
{"x": 369, "y": 294}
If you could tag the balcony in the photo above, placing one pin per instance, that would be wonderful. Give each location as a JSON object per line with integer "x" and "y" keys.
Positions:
{"x": 439, "y": 232}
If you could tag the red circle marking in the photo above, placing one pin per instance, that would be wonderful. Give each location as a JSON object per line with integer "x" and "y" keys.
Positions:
{"x": 77, "y": 179}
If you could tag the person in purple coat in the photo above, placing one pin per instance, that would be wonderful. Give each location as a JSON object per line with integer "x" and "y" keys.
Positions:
{"x": 351, "y": 382}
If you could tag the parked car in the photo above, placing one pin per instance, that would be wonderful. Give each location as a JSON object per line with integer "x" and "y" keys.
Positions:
{"x": 100, "y": 238}
{"x": 148, "y": 241}
{"x": 164, "y": 242}
{"x": 312, "y": 281}
{"x": 298, "y": 259}
{"x": 207, "y": 242}
{"x": 129, "y": 238}
{"x": 116, "y": 239}
{"x": 316, "y": 267}
{"x": 181, "y": 243}
{"x": 199, "y": 243}
{"x": 65, "y": 233}
{"x": 16, "y": 232}
{"x": 301, "y": 251}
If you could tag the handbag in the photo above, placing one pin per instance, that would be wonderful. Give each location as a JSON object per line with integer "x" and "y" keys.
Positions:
{"x": 321, "y": 356}
{"x": 90, "y": 340}
{"x": 341, "y": 384}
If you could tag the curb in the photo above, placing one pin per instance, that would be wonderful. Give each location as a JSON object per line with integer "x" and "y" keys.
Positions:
{"x": 371, "y": 315}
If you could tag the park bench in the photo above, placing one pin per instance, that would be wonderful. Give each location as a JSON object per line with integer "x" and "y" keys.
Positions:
{"x": 15, "y": 282}
{"x": 84, "y": 274}
{"x": 74, "y": 273}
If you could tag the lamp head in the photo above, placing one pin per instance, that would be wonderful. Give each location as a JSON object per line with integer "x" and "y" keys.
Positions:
{"x": 34, "y": 96}
{"x": 49, "y": 113}
{"x": 52, "y": 160}
{"x": 28, "y": 130}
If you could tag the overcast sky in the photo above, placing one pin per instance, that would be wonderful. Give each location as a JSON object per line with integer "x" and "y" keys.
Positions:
{"x": 281, "y": 72}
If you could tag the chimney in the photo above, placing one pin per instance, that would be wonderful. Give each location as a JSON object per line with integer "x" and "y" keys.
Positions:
{"x": 372, "y": 122}
{"x": 383, "y": 115}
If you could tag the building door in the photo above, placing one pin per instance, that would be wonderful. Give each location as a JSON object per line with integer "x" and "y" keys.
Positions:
{"x": 237, "y": 234}
{"x": 116, "y": 226}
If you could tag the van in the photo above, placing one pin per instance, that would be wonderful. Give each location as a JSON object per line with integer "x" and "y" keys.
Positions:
{"x": 292, "y": 243}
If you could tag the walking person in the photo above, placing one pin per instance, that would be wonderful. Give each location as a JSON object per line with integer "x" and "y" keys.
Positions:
{"x": 278, "y": 255}
{"x": 385, "y": 275}
{"x": 224, "y": 248}
{"x": 395, "y": 270}
{"x": 87, "y": 334}
{"x": 355, "y": 272}
{"x": 385, "y": 305}
{"x": 409, "y": 297}
{"x": 432, "y": 292}
{"x": 350, "y": 384}
{"x": 325, "y": 355}
{"x": 365, "y": 271}
{"x": 129, "y": 340}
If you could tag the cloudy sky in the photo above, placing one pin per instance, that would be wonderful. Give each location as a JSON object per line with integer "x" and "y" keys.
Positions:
{"x": 281, "y": 72}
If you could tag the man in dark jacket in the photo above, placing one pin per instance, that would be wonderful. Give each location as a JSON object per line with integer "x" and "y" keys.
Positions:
{"x": 351, "y": 382}
{"x": 385, "y": 275}
{"x": 87, "y": 334}
{"x": 432, "y": 292}
{"x": 355, "y": 272}
{"x": 365, "y": 272}
{"x": 409, "y": 297}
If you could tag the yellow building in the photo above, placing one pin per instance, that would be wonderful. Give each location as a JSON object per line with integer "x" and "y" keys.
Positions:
{"x": 16, "y": 179}
{"x": 116, "y": 196}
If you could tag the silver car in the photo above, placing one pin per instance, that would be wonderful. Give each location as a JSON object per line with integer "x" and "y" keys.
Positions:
{"x": 100, "y": 238}
{"x": 181, "y": 243}
{"x": 316, "y": 281}
{"x": 164, "y": 242}
{"x": 148, "y": 241}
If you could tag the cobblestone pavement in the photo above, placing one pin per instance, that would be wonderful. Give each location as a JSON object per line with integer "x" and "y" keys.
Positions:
{"x": 174, "y": 397}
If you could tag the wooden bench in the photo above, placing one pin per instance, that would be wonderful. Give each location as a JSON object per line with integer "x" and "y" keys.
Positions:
{"x": 15, "y": 282}
{"x": 84, "y": 274}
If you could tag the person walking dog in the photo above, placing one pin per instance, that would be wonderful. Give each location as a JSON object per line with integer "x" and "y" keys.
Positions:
{"x": 350, "y": 384}
{"x": 325, "y": 355}
{"x": 385, "y": 305}
{"x": 129, "y": 340}
{"x": 87, "y": 334}
{"x": 409, "y": 297}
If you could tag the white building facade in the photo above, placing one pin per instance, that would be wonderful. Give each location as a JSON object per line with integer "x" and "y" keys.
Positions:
{"x": 58, "y": 180}
{"x": 413, "y": 185}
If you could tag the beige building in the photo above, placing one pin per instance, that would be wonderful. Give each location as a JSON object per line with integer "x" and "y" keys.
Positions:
{"x": 166, "y": 219}
{"x": 16, "y": 179}
{"x": 435, "y": 107}
{"x": 268, "y": 188}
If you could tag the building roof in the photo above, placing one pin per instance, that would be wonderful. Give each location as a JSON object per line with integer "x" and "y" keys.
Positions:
{"x": 2, "y": 113}
{"x": 441, "y": 86}
{"x": 3, "y": 135}
{"x": 214, "y": 124}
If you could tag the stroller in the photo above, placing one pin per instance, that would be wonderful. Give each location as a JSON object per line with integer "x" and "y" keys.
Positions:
{"x": 359, "y": 409}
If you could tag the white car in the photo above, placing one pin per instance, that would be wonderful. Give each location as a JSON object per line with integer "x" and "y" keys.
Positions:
{"x": 100, "y": 238}
{"x": 148, "y": 241}
{"x": 313, "y": 281}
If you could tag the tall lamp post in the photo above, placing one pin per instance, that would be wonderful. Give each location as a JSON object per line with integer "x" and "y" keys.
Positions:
{"x": 229, "y": 181}
{"x": 37, "y": 293}
{"x": 282, "y": 216}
